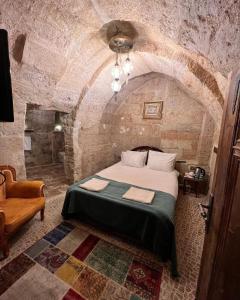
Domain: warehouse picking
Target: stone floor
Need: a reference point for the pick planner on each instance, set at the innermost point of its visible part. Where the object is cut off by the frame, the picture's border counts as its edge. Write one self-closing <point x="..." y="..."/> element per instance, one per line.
<point x="53" y="176"/>
<point x="189" y="236"/>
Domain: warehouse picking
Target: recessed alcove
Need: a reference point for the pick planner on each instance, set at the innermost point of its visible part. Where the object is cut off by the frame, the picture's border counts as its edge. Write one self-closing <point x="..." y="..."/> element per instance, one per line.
<point x="44" y="145"/>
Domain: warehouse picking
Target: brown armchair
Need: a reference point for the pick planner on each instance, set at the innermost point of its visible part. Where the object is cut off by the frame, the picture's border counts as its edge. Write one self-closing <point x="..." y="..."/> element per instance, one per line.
<point x="19" y="202"/>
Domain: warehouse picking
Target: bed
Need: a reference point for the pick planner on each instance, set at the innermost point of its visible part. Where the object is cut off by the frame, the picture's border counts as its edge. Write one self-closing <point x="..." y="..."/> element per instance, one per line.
<point x="151" y="225"/>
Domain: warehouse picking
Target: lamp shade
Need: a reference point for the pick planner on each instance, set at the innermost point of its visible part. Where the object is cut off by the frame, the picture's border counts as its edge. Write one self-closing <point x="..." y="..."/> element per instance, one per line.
<point x="127" y="66"/>
<point x="116" y="86"/>
<point x="58" y="127"/>
<point x="116" y="71"/>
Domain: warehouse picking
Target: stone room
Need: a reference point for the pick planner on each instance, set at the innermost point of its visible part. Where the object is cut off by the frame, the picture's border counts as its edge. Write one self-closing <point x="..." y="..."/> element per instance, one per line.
<point x="119" y="150"/>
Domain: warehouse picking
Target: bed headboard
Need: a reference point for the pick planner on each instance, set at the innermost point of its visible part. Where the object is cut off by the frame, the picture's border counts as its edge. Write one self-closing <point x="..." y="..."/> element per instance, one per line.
<point x="146" y="148"/>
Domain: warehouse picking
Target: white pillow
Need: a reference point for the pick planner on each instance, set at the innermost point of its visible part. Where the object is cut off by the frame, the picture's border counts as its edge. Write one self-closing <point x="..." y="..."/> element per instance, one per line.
<point x="134" y="158"/>
<point x="161" y="161"/>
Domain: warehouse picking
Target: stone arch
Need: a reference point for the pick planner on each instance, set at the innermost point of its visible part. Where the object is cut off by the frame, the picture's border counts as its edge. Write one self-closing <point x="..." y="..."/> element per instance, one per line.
<point x="198" y="82"/>
<point x="186" y="127"/>
<point x="204" y="89"/>
<point x="63" y="50"/>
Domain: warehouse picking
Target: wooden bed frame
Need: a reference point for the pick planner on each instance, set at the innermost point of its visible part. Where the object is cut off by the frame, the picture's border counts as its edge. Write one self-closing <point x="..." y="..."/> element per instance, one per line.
<point x="146" y="148"/>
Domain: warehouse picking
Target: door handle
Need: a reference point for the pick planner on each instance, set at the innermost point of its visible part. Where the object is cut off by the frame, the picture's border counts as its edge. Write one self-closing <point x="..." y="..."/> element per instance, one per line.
<point x="206" y="212"/>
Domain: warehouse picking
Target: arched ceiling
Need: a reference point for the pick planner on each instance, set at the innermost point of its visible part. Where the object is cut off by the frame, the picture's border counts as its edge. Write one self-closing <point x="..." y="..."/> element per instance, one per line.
<point x="58" y="53"/>
<point x="93" y="105"/>
<point x="208" y="28"/>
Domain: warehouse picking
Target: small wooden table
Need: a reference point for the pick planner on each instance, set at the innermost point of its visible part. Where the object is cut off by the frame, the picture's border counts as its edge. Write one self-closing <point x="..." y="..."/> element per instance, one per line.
<point x="196" y="182"/>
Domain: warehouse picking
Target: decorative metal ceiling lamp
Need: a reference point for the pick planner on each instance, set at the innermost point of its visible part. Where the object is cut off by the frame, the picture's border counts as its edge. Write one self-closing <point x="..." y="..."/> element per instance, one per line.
<point x="121" y="44"/>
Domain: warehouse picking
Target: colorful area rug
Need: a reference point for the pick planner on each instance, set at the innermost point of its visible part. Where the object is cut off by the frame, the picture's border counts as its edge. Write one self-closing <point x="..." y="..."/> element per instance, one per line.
<point x="69" y="263"/>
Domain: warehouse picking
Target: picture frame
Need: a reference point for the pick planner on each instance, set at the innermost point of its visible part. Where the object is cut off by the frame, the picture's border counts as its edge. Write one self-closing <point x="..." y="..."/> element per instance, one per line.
<point x="153" y="110"/>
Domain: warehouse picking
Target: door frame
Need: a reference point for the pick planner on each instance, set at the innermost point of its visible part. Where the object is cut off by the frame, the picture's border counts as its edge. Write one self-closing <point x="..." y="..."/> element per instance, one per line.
<point x="213" y="249"/>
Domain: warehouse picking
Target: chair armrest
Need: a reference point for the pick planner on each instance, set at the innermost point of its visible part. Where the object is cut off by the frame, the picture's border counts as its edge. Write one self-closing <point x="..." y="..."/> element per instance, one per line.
<point x="2" y="221"/>
<point x="25" y="189"/>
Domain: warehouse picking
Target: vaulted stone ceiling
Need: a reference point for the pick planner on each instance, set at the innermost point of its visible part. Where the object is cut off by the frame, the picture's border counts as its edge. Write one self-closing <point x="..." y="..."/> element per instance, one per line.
<point x="57" y="50"/>
<point x="60" y="59"/>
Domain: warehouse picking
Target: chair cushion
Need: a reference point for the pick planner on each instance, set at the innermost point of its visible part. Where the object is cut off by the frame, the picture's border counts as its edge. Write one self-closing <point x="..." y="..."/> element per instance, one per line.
<point x="19" y="210"/>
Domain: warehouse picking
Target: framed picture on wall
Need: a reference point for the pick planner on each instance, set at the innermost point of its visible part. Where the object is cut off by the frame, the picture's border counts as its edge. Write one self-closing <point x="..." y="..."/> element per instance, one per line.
<point x="153" y="110"/>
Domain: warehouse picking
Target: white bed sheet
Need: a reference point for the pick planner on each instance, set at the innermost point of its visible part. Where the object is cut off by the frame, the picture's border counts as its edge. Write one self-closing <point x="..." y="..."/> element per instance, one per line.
<point x="143" y="177"/>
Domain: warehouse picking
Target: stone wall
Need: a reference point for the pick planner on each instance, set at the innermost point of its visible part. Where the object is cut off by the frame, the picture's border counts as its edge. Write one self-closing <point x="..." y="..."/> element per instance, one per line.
<point x="186" y="127"/>
<point x="97" y="150"/>
<point x="12" y="139"/>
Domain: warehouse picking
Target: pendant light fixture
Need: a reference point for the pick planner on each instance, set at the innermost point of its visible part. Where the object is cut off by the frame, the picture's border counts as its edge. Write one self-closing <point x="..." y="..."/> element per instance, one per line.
<point x="127" y="66"/>
<point x="116" y="85"/>
<point x="116" y="73"/>
<point x="121" y="45"/>
<point x="116" y="70"/>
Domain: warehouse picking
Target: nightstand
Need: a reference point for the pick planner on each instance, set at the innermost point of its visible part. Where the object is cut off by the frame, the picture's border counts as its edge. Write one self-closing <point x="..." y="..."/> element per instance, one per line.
<point x="196" y="184"/>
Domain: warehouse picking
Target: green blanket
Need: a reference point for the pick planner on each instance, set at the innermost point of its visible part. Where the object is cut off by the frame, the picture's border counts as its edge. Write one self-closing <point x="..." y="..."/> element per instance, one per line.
<point x="151" y="224"/>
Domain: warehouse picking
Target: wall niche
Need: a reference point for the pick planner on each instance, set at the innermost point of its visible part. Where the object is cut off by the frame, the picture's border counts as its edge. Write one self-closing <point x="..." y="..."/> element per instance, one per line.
<point x="44" y="142"/>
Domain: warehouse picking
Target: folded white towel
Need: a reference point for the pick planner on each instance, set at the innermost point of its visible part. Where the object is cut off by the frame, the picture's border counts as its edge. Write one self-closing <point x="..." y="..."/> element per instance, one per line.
<point x="139" y="195"/>
<point x="94" y="184"/>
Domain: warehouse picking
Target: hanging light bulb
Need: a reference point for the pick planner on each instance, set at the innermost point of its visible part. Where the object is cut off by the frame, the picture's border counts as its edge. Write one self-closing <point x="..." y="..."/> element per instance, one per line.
<point x="116" y="86"/>
<point x="127" y="66"/>
<point x="116" y="71"/>
<point x="58" y="127"/>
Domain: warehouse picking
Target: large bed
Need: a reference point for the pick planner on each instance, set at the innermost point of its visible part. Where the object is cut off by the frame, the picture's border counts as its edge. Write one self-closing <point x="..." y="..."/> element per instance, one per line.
<point x="152" y="225"/>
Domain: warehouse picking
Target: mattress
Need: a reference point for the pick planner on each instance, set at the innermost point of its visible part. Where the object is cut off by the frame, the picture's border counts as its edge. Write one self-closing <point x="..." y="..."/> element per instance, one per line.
<point x="143" y="177"/>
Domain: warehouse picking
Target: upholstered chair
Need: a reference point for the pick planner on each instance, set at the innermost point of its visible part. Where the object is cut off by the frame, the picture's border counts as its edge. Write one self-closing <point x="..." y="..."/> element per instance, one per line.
<point x="19" y="202"/>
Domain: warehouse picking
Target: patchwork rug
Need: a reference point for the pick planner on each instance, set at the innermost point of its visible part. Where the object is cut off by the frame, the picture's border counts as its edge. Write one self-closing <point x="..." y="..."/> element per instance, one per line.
<point x="70" y="263"/>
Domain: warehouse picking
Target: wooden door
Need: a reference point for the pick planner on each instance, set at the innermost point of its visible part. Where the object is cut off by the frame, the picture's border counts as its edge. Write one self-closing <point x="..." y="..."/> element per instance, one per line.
<point x="219" y="277"/>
